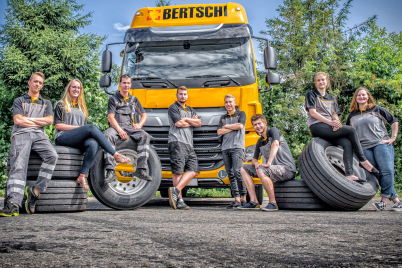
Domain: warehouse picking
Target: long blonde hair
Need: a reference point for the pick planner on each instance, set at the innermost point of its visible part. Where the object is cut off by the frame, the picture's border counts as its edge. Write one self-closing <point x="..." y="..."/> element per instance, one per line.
<point x="66" y="99"/>
<point x="370" y="102"/>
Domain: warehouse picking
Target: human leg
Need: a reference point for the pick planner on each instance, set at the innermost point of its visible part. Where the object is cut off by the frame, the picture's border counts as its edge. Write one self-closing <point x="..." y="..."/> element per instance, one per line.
<point x="18" y="156"/>
<point x="347" y="156"/>
<point x="227" y="161"/>
<point x="268" y="185"/>
<point x="246" y="172"/>
<point x="112" y="136"/>
<point x="142" y="139"/>
<point x="384" y="156"/>
<point x="237" y="160"/>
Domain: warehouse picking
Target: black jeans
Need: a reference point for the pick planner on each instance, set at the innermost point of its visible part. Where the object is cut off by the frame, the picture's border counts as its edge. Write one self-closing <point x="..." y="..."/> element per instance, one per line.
<point x="233" y="160"/>
<point x="87" y="138"/>
<point x="346" y="137"/>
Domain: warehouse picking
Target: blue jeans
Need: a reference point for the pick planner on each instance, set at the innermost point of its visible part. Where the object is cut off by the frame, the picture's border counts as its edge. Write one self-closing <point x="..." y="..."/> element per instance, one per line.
<point x="233" y="160"/>
<point x="87" y="138"/>
<point x="382" y="157"/>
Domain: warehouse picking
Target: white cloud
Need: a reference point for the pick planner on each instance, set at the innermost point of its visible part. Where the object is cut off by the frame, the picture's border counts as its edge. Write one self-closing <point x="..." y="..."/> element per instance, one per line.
<point x="120" y="27"/>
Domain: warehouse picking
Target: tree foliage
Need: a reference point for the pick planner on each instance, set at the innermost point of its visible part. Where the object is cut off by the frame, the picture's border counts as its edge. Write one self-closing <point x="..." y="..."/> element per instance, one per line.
<point x="162" y="3"/>
<point x="45" y="36"/>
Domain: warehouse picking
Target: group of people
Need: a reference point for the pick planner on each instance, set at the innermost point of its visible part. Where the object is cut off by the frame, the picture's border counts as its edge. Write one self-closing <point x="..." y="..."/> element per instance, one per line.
<point x="365" y="134"/>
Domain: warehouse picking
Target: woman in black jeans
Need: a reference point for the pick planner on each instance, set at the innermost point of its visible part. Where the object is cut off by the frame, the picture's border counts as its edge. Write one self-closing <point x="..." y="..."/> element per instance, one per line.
<point x="323" y="121"/>
<point x="70" y="120"/>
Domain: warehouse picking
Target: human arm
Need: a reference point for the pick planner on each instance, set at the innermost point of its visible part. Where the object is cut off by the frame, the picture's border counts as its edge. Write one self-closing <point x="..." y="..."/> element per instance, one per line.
<point x="115" y="125"/>
<point x="64" y="127"/>
<point x="193" y="121"/>
<point x="395" y="128"/>
<point x="140" y="124"/>
<point x="32" y="122"/>
<point x="272" y="153"/>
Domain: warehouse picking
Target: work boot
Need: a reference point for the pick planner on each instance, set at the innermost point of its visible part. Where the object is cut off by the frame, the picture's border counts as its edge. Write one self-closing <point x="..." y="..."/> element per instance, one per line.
<point x="141" y="173"/>
<point x="31" y="201"/>
<point x="10" y="209"/>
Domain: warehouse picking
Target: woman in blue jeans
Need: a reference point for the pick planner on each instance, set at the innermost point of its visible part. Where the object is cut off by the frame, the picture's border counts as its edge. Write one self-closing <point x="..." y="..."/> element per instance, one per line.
<point x="70" y="120"/>
<point x="368" y="119"/>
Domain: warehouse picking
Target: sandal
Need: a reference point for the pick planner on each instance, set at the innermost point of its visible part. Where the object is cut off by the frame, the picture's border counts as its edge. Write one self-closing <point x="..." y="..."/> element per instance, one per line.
<point x="125" y="159"/>
<point x="83" y="184"/>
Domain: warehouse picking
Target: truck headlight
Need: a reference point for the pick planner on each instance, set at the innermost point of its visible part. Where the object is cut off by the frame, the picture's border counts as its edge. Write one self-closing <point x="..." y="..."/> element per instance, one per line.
<point x="249" y="154"/>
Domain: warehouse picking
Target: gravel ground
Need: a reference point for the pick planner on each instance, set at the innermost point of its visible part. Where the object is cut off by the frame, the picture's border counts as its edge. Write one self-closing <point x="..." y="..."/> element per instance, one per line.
<point x="207" y="235"/>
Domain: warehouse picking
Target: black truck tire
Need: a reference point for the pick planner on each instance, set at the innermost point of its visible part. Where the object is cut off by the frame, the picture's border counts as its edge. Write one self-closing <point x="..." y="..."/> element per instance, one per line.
<point x="130" y="195"/>
<point x="321" y="167"/>
<point x="68" y="164"/>
<point x="61" y="196"/>
<point x="296" y="195"/>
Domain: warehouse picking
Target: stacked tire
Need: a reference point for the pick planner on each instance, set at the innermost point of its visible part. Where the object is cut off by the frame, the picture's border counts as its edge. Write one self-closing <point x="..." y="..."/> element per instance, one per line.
<point x="296" y="195"/>
<point x="63" y="194"/>
<point x="321" y="167"/>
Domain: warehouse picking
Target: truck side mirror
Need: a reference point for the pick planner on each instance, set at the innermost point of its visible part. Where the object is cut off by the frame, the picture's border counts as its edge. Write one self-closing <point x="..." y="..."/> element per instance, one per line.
<point x="270" y="58"/>
<point x="105" y="81"/>
<point x="106" y="61"/>
<point x="272" y="78"/>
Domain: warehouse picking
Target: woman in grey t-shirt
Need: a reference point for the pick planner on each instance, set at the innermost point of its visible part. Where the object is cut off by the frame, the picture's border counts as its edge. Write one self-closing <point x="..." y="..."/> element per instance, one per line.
<point x="70" y="120"/>
<point x="368" y="119"/>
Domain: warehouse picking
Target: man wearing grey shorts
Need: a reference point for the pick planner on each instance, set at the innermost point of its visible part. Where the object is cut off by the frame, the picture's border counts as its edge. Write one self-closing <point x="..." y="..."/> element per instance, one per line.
<point x="31" y="113"/>
<point x="279" y="166"/>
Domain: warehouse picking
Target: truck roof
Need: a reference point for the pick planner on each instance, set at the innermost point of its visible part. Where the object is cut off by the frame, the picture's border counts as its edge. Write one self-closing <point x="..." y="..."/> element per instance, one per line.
<point x="189" y="15"/>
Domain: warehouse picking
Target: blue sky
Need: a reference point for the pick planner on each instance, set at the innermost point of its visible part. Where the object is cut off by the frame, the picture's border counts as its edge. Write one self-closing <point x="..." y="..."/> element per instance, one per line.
<point x="112" y="18"/>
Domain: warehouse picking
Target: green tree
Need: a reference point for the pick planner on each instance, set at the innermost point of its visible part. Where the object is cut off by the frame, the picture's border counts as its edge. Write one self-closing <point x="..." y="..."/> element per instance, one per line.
<point x="162" y="3"/>
<point x="45" y="36"/>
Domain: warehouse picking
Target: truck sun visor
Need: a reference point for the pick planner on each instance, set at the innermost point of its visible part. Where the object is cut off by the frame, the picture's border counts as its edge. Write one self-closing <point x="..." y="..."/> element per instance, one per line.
<point x="214" y="31"/>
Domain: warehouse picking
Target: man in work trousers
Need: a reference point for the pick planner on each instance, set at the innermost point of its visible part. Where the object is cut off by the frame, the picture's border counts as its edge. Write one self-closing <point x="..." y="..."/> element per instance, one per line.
<point x="231" y="126"/>
<point x="279" y="167"/>
<point x="121" y="110"/>
<point x="31" y="113"/>
<point x="182" y="120"/>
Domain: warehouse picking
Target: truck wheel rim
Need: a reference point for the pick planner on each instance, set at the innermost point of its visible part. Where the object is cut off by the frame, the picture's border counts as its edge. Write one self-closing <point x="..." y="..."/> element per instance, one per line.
<point x="335" y="157"/>
<point x="127" y="187"/>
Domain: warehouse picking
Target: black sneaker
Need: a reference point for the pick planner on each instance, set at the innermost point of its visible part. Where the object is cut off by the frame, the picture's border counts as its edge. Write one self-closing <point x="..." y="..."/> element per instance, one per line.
<point x="173" y="196"/>
<point x="270" y="207"/>
<point x="243" y="203"/>
<point x="250" y="205"/>
<point x="31" y="201"/>
<point x="110" y="173"/>
<point x="397" y="207"/>
<point x="380" y="206"/>
<point x="141" y="173"/>
<point x="10" y="209"/>
<point x="181" y="205"/>
<point x="235" y="204"/>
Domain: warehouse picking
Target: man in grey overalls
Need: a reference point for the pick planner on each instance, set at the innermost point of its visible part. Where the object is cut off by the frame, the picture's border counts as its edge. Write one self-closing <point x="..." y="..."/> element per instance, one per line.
<point x="31" y="113"/>
<point x="121" y="110"/>
<point x="279" y="166"/>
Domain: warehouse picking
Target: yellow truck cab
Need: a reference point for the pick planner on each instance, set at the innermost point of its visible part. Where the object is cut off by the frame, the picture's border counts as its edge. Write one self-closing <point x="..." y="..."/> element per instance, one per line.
<point x="208" y="49"/>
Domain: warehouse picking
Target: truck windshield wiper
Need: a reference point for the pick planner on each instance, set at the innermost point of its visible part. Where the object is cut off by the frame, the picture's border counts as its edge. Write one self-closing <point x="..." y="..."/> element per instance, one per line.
<point x="154" y="77"/>
<point x="214" y="75"/>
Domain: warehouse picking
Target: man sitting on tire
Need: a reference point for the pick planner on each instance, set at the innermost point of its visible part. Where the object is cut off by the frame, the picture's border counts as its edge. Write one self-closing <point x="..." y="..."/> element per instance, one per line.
<point x="121" y="110"/>
<point x="279" y="167"/>
<point x="31" y="113"/>
<point x="182" y="120"/>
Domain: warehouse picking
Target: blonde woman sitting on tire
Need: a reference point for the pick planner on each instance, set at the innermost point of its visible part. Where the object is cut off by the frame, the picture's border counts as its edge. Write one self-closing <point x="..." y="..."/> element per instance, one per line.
<point x="70" y="120"/>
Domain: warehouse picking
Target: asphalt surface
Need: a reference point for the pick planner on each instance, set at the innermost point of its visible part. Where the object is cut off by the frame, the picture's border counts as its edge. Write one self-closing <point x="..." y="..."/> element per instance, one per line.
<point x="207" y="235"/>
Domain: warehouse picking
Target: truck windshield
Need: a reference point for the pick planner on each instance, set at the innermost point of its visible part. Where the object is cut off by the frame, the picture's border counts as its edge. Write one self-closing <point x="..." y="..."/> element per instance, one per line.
<point x="189" y="59"/>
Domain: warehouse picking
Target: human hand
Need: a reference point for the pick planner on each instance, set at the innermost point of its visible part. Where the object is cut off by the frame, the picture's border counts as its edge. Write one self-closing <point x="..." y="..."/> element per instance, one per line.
<point x="194" y="116"/>
<point x="336" y="124"/>
<point x="123" y="134"/>
<point x="137" y="126"/>
<point x="256" y="165"/>
<point x="389" y="141"/>
<point x="266" y="165"/>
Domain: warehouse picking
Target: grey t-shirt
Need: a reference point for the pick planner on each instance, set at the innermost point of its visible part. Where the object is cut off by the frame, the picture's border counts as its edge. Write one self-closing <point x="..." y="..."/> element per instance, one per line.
<point x="28" y="107"/>
<point x="369" y="125"/>
<point x="175" y="113"/>
<point x="325" y="106"/>
<point x="75" y="118"/>
<point x="236" y="138"/>
<point x="283" y="157"/>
